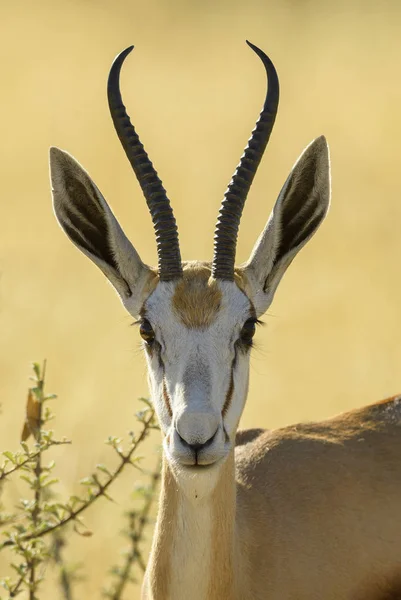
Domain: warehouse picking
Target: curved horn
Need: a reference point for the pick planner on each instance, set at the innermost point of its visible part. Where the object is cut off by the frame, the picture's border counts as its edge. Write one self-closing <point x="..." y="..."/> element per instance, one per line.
<point x="168" y="249"/>
<point x="225" y="238"/>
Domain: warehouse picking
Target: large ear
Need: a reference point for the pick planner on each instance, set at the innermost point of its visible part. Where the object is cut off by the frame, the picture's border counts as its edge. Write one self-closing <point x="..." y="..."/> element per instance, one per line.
<point x="88" y="221"/>
<point x="300" y="208"/>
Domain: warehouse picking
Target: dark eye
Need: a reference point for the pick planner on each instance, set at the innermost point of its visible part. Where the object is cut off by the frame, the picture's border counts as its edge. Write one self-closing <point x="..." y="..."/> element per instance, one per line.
<point x="248" y="331"/>
<point x="146" y="331"/>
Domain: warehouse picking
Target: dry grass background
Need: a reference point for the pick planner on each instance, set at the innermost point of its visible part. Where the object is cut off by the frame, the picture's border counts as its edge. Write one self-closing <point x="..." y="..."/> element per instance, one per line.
<point x="194" y="89"/>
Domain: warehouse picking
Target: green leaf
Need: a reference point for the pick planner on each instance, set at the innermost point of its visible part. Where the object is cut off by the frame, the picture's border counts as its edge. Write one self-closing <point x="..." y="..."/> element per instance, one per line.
<point x="10" y="456"/>
<point x="29" y="480"/>
<point x="104" y="469"/>
<point x="36" y="369"/>
<point x="50" y="482"/>
<point x="38" y="393"/>
<point x="5" y="583"/>
<point x="87" y="481"/>
<point x="146" y="401"/>
<point x="74" y="500"/>
<point x="25" y="447"/>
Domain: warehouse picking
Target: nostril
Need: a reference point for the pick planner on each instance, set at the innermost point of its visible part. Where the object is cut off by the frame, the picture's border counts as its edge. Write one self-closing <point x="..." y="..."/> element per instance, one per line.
<point x="198" y="446"/>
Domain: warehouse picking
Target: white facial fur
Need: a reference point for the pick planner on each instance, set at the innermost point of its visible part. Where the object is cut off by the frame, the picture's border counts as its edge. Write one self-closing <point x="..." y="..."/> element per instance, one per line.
<point x="203" y="371"/>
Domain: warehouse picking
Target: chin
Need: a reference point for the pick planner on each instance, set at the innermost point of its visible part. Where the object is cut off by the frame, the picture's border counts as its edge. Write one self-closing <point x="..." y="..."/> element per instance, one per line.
<point x="196" y="481"/>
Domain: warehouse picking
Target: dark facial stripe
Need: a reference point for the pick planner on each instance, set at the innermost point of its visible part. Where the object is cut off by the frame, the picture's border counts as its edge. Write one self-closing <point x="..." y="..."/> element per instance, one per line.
<point x="230" y="390"/>
<point x="166" y="398"/>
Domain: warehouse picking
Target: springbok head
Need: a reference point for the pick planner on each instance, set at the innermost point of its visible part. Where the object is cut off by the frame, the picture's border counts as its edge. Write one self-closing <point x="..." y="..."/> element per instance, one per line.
<point x="197" y="319"/>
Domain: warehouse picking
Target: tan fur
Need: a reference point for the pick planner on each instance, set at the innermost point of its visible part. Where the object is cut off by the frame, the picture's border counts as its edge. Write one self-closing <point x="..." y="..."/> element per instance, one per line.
<point x="156" y="584"/>
<point x="383" y="588"/>
<point x="151" y="282"/>
<point x="222" y="575"/>
<point x="197" y="297"/>
<point x="313" y="513"/>
<point x="241" y="280"/>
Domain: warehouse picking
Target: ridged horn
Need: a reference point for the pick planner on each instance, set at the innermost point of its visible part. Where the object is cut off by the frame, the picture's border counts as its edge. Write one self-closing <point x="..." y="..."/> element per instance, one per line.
<point x="168" y="250"/>
<point x="226" y="232"/>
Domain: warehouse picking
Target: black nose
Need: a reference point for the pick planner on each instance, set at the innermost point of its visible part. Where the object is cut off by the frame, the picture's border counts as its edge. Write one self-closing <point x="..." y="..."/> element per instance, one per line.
<point x="197" y="447"/>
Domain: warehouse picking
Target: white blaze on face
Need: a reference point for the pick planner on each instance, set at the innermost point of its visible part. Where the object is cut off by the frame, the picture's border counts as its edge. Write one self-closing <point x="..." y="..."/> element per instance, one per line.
<point x="198" y="371"/>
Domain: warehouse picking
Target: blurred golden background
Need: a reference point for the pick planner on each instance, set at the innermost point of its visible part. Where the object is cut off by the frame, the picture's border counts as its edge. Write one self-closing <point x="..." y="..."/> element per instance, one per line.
<point x="194" y="90"/>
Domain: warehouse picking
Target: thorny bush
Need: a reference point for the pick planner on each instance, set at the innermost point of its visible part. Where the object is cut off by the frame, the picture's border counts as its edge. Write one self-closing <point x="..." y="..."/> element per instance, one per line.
<point x="34" y="531"/>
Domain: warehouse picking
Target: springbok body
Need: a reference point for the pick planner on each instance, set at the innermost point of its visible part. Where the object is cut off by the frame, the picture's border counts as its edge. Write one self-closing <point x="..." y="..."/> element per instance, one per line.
<point x="307" y="512"/>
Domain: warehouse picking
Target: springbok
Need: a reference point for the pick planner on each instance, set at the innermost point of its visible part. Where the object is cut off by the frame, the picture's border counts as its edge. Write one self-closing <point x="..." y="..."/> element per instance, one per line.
<point x="307" y="512"/>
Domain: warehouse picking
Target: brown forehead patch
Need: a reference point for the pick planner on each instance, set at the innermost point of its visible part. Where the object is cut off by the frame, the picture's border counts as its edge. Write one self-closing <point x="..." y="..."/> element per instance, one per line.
<point x="197" y="297"/>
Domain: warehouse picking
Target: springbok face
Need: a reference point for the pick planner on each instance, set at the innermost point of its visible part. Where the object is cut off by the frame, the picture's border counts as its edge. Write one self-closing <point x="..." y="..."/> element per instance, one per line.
<point x="197" y="320"/>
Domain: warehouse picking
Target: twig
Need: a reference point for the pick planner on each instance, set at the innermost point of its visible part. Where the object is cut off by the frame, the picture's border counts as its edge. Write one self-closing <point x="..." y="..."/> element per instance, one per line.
<point x="38" y="488"/>
<point x="32" y="457"/>
<point x="65" y="578"/>
<point x="144" y="515"/>
<point x="16" y="587"/>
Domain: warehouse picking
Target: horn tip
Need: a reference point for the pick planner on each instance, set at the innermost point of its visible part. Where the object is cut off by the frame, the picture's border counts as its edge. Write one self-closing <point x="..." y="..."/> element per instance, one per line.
<point x="258" y="51"/>
<point x="123" y="55"/>
<point x="252" y="45"/>
<point x="127" y="51"/>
